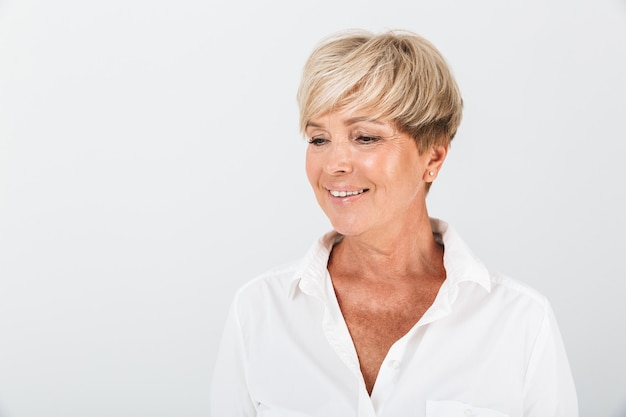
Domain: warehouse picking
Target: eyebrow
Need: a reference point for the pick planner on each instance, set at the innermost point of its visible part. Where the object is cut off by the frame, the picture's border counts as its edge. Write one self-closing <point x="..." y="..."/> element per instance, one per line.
<point x="350" y="121"/>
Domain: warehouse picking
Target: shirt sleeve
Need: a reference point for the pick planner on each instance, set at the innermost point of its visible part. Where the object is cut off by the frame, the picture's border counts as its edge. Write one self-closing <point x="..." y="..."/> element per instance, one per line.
<point x="549" y="389"/>
<point x="229" y="389"/>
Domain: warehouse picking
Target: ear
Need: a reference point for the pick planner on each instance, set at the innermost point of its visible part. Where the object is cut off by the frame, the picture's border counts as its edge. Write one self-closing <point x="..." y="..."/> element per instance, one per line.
<point x="436" y="155"/>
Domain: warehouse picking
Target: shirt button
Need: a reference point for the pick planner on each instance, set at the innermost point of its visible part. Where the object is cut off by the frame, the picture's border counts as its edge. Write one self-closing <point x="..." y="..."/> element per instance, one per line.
<point x="393" y="364"/>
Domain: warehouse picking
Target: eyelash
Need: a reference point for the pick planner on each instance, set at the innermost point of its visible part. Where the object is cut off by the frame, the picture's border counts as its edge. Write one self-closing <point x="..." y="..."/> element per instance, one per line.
<point x="317" y="141"/>
<point x="368" y="139"/>
<point x="362" y="139"/>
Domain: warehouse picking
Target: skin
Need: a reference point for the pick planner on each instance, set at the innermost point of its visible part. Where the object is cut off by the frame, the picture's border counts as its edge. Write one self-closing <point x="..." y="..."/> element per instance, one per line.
<point x="387" y="270"/>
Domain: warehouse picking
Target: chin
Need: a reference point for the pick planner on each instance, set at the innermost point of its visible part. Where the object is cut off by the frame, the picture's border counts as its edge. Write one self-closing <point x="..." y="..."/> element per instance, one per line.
<point x="350" y="224"/>
<point x="348" y="229"/>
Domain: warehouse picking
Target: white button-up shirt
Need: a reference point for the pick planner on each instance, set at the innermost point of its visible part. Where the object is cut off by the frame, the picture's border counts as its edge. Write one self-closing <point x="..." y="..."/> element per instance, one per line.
<point x="489" y="346"/>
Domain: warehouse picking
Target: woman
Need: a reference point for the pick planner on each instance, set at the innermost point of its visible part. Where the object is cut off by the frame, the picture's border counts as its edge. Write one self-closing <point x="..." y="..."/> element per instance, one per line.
<point x="389" y="314"/>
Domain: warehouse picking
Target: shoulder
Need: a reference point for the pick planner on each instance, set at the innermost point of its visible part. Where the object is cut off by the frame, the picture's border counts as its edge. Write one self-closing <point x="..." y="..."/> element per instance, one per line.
<point x="518" y="298"/>
<point x="504" y="283"/>
<point x="465" y="268"/>
<point x="271" y="284"/>
<point x="266" y="305"/>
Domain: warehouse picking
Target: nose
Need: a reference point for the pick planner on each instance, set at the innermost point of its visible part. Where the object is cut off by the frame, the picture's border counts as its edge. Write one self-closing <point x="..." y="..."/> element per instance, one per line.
<point x="338" y="158"/>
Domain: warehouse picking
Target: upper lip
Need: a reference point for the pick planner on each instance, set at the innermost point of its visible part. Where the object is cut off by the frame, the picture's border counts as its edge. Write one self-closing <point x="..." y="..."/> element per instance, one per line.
<point x="343" y="188"/>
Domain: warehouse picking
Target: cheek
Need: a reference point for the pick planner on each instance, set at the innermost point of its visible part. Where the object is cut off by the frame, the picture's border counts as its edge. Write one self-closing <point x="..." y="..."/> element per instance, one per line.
<point x="395" y="170"/>
<point x="381" y="168"/>
<point x="373" y="163"/>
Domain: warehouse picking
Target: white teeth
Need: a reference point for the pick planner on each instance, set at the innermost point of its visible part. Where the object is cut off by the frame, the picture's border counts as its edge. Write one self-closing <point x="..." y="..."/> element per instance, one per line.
<point x="345" y="193"/>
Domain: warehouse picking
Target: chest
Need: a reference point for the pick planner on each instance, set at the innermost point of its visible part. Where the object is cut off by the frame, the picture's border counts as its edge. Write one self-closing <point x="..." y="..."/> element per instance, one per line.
<point x="311" y="366"/>
<point x="376" y="328"/>
<point x="376" y="320"/>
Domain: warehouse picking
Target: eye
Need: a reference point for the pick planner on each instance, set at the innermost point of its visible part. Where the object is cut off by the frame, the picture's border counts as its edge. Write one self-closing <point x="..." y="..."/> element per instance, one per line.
<point x="317" y="141"/>
<point x="367" y="139"/>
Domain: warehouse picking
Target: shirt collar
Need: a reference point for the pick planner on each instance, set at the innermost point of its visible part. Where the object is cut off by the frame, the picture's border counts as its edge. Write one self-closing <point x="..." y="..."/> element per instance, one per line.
<point x="310" y="276"/>
<point x="460" y="263"/>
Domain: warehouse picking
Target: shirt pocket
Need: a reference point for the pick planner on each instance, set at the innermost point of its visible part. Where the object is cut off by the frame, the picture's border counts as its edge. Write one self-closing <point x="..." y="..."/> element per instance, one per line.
<point x="458" y="409"/>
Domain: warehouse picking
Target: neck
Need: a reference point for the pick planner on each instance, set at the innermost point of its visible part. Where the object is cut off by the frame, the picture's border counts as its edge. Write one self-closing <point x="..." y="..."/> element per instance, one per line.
<point x="401" y="254"/>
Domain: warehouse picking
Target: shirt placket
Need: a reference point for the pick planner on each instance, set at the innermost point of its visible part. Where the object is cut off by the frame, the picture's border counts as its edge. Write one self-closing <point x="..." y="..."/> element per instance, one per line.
<point x="396" y="360"/>
<point x="338" y="336"/>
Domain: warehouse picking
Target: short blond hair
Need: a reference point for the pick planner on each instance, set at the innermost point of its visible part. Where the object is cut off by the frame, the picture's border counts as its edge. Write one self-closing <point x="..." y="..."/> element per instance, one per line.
<point x="396" y="75"/>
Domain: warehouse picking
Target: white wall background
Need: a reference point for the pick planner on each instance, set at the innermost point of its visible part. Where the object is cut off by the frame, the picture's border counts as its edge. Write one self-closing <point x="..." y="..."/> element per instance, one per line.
<point x="150" y="164"/>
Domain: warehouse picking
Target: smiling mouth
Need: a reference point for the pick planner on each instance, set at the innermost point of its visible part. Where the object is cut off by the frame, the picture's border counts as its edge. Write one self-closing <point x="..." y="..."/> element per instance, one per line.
<point x="336" y="193"/>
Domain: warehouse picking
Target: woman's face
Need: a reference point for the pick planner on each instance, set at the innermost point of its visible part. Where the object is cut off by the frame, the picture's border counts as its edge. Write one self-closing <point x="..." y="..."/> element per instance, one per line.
<point x="367" y="176"/>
